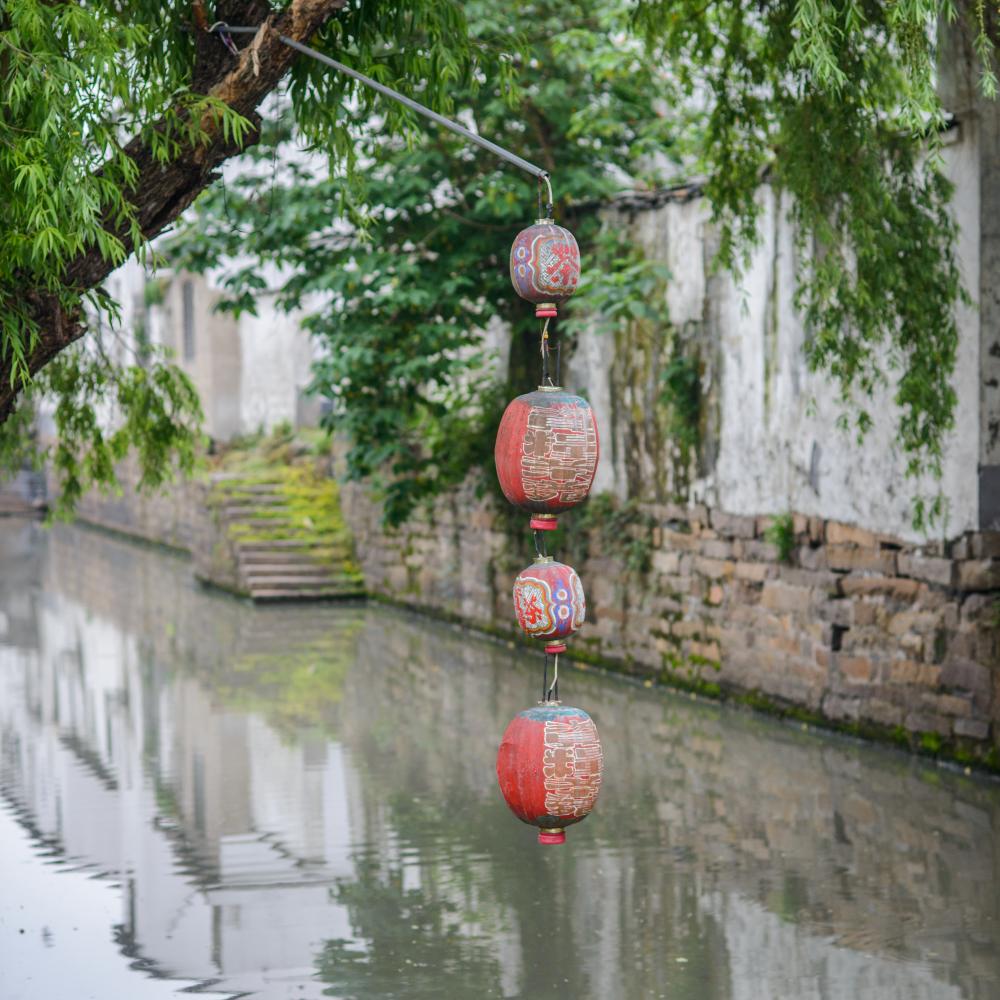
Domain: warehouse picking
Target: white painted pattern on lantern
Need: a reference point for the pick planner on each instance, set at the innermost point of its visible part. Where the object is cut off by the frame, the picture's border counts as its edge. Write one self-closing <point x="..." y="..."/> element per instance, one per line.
<point x="559" y="453"/>
<point x="572" y="765"/>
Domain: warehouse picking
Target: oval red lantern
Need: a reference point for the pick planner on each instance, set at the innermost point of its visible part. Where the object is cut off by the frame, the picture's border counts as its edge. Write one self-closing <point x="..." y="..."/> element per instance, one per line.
<point x="546" y="452"/>
<point x="549" y="602"/>
<point x="549" y="767"/>
<point x="545" y="265"/>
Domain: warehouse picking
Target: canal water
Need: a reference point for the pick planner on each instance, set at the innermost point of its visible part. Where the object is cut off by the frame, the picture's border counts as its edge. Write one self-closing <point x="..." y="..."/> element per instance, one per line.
<point x="296" y="802"/>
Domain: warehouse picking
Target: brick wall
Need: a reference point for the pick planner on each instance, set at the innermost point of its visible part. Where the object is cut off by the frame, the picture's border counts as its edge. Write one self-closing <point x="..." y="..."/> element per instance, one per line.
<point x="858" y="628"/>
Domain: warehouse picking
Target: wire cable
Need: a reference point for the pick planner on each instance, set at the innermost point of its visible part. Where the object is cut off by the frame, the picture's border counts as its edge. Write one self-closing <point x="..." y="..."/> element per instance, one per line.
<point x="223" y="29"/>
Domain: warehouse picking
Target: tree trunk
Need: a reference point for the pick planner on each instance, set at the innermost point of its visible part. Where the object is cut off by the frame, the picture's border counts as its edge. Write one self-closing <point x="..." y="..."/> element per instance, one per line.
<point x="162" y="192"/>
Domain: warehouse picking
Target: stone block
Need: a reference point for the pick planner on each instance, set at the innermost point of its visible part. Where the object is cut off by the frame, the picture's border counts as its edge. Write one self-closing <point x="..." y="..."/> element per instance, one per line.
<point x="978" y="574"/>
<point x="966" y="675"/>
<point x="975" y="729"/>
<point x="925" y="722"/>
<point x="686" y="629"/>
<point x="754" y="572"/>
<point x="948" y="704"/>
<point x="883" y="712"/>
<point x="714" y="569"/>
<point x="911" y="621"/>
<point x="821" y="580"/>
<point x="928" y="568"/>
<point x="733" y="525"/>
<point x="717" y="549"/>
<point x="985" y="545"/>
<point x="811" y="558"/>
<point x="715" y="594"/>
<point x="836" y="706"/>
<point x="682" y="541"/>
<point x="782" y="644"/>
<point x="779" y="596"/>
<point x="666" y="562"/>
<point x="898" y="587"/>
<point x="838" y="533"/>
<point x="847" y="557"/>
<point x="759" y="551"/>
<point x="961" y="548"/>
<point x="866" y="612"/>
<point x="836" y="612"/>
<point x="705" y="650"/>
<point x="856" y="669"/>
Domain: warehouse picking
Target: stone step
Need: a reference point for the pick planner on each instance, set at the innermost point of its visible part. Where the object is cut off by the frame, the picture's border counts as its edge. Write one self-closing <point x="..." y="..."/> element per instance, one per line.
<point x="257" y="571"/>
<point x="275" y="544"/>
<point x="239" y="512"/>
<point x="258" y="489"/>
<point x="318" y="551"/>
<point x="263" y="522"/>
<point x="234" y="502"/>
<point x="294" y="581"/>
<point x="347" y="589"/>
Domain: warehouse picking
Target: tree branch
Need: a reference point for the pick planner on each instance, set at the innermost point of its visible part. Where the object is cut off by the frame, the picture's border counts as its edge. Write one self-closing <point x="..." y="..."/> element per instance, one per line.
<point x="163" y="192"/>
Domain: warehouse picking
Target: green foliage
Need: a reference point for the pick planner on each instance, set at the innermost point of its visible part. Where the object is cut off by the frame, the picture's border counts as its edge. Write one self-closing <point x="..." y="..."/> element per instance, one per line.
<point x="409" y="286"/>
<point x="78" y="82"/>
<point x="78" y="79"/>
<point x="103" y="409"/>
<point x="781" y="534"/>
<point x="835" y="104"/>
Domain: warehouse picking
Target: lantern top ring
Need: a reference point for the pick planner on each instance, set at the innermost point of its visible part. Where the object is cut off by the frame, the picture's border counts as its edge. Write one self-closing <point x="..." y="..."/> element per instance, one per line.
<point x="554" y="703"/>
<point x="545" y="222"/>
<point x="550" y="388"/>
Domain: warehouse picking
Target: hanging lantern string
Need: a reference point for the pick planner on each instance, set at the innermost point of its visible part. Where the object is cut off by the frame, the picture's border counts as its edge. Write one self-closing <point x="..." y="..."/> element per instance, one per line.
<point x="545" y="354"/>
<point x="540" y="548"/>
<point x="552" y="694"/>
<point x="545" y="206"/>
<point x="223" y="30"/>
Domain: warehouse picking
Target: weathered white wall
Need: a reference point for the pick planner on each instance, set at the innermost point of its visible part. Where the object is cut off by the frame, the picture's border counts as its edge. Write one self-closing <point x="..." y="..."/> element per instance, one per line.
<point x="777" y="446"/>
<point x="276" y="358"/>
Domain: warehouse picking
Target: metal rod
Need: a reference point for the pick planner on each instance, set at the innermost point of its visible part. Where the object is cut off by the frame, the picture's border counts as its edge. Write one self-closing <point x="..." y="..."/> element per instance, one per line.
<point x="504" y="154"/>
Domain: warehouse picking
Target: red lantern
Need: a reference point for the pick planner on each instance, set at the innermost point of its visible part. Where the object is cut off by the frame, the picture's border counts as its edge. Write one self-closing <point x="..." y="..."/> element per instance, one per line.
<point x="549" y="602"/>
<point x="546" y="452"/>
<point x="545" y="265"/>
<point x="549" y="768"/>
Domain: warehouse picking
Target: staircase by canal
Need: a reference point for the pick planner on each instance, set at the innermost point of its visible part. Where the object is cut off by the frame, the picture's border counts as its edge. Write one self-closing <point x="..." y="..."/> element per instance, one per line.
<point x="286" y="535"/>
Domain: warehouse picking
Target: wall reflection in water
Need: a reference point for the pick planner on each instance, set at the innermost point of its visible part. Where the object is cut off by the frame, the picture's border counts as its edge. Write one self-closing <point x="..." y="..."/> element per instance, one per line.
<point x="300" y="801"/>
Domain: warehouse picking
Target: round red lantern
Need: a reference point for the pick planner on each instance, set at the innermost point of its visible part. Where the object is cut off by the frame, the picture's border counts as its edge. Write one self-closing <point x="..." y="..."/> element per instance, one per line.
<point x="545" y="265"/>
<point x="546" y="452"/>
<point x="549" y="767"/>
<point x="549" y="602"/>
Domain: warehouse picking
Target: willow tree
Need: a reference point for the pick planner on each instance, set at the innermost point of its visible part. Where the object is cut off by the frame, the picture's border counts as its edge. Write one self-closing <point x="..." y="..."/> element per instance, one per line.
<point x="113" y="118"/>
<point x="833" y="101"/>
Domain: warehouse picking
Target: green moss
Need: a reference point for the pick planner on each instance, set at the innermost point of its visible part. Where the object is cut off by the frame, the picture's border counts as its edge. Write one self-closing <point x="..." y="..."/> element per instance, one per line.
<point x="294" y="468"/>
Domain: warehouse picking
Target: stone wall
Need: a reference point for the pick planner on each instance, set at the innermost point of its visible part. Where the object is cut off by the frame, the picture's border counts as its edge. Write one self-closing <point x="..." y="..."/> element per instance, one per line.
<point x="854" y="627"/>
<point x="178" y="516"/>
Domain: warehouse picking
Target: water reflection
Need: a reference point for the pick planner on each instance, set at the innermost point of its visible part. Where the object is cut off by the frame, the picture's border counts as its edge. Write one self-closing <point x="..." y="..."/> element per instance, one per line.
<point x="300" y="802"/>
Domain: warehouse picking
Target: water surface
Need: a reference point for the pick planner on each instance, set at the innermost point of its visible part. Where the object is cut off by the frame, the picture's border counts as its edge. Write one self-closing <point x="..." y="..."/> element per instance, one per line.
<point x="300" y="802"/>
